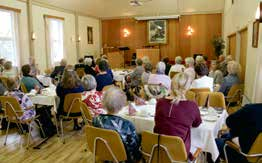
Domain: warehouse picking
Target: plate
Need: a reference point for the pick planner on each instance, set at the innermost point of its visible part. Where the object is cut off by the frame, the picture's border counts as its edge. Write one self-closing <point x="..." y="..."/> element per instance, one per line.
<point x="210" y="118"/>
<point x="203" y="112"/>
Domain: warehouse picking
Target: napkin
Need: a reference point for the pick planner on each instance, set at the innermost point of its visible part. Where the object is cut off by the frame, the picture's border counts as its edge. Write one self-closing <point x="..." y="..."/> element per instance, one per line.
<point x="131" y="110"/>
<point x="139" y="101"/>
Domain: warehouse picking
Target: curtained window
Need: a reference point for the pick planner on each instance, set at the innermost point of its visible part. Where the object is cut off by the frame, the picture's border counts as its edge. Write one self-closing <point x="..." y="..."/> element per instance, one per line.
<point x="55" y="40"/>
<point x="9" y="41"/>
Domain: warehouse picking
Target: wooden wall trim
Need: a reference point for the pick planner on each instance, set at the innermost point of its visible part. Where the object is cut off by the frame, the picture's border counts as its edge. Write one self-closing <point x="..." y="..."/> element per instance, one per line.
<point x="53" y="17"/>
<point x="10" y="8"/>
<point x="232" y="35"/>
<point x="243" y="29"/>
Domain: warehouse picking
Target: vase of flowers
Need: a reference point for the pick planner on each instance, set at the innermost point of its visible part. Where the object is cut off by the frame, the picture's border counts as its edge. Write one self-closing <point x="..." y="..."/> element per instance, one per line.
<point x="219" y="45"/>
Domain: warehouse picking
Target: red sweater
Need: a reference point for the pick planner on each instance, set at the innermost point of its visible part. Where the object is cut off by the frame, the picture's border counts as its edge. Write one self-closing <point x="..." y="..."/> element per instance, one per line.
<point x="178" y="120"/>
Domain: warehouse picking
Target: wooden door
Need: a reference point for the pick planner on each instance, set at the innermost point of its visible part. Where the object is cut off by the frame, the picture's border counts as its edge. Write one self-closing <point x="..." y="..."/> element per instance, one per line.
<point x="232" y="42"/>
<point x="243" y="53"/>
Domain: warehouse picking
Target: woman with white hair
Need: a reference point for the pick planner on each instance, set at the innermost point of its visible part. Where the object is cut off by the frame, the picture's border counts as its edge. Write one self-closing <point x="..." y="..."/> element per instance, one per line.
<point x="178" y="67"/>
<point x="233" y="69"/>
<point x="190" y="71"/>
<point x="113" y="101"/>
<point x="160" y="78"/>
<point x="88" y="66"/>
<point x="200" y="59"/>
<point x="92" y="98"/>
<point x="175" y="115"/>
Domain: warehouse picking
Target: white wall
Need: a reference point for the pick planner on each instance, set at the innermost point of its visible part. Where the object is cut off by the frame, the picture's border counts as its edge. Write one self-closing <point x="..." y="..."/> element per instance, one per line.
<point x="93" y="49"/>
<point x="69" y="37"/>
<point x="236" y="17"/>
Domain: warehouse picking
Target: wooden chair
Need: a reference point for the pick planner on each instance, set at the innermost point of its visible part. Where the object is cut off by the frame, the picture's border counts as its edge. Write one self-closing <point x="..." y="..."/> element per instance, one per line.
<point x="80" y="72"/>
<point x="86" y="114"/>
<point x="215" y="99"/>
<point x="105" y="144"/>
<point x="4" y="80"/>
<point x="13" y="112"/>
<point x="107" y="87"/>
<point x="254" y="154"/>
<point x="234" y="96"/>
<point x="198" y="90"/>
<point x="157" y="148"/>
<point x="172" y="74"/>
<point x="190" y="95"/>
<point x="72" y="104"/>
<point x="23" y="88"/>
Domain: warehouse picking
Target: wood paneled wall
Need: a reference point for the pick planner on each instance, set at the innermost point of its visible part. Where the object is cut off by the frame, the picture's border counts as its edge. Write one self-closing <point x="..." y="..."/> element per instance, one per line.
<point x="206" y="26"/>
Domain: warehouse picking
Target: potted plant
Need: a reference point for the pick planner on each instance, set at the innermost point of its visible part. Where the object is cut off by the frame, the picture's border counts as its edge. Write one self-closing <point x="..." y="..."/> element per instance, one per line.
<point x="219" y="45"/>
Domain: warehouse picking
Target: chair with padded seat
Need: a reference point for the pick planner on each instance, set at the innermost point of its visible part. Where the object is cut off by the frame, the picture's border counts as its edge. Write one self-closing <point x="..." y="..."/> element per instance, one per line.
<point x="213" y="99"/>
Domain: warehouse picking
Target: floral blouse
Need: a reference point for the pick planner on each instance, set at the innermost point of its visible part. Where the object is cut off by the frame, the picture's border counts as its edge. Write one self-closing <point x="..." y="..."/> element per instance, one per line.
<point x="125" y="129"/>
<point x="93" y="100"/>
<point x="25" y="102"/>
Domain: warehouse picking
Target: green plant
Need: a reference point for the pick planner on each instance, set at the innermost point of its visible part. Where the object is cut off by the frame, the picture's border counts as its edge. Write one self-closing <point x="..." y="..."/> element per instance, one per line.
<point x="219" y="45"/>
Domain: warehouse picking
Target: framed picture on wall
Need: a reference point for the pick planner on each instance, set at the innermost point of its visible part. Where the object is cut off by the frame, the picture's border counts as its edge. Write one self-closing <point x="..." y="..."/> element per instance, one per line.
<point x="157" y="31"/>
<point x="90" y="35"/>
<point x="255" y="34"/>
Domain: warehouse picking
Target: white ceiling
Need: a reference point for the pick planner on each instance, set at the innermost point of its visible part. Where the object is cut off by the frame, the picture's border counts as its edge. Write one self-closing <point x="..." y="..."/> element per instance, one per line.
<point x="121" y="8"/>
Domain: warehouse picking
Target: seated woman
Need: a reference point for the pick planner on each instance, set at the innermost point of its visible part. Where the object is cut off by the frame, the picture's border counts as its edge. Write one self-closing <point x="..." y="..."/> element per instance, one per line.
<point x="233" y="69"/>
<point x="148" y="70"/>
<point x="216" y="74"/>
<point x="9" y="71"/>
<point x="92" y="98"/>
<point x="135" y="77"/>
<point x="202" y="81"/>
<point x="113" y="101"/>
<point x="178" y="67"/>
<point x="24" y="101"/>
<point x="70" y="83"/>
<point x="190" y="71"/>
<point x="175" y="115"/>
<point x="103" y="78"/>
<point x="88" y="67"/>
<point x="29" y="81"/>
<point x="160" y="78"/>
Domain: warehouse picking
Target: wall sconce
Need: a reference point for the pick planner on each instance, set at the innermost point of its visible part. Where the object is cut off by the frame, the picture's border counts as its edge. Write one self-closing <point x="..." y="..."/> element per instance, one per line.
<point x="259" y="13"/>
<point x="78" y="39"/>
<point x="126" y="32"/>
<point x="190" y="31"/>
<point x="33" y="37"/>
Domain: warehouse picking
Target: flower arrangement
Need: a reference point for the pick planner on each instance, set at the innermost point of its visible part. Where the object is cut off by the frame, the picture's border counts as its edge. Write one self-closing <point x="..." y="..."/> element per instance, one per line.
<point x="219" y="45"/>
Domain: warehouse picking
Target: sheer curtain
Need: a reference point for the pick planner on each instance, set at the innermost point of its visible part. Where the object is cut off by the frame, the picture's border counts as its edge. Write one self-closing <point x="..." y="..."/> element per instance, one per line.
<point x="9" y="36"/>
<point x="54" y="40"/>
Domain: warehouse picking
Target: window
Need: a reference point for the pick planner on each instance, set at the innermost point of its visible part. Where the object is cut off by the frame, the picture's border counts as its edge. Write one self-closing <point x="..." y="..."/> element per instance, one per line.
<point x="9" y="36"/>
<point x="55" y="40"/>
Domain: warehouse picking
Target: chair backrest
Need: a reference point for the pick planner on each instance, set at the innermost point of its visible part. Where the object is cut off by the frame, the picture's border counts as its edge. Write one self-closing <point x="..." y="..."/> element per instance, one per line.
<point x="105" y="144"/>
<point x="86" y="113"/>
<point x="215" y="99"/>
<point x="163" y="148"/>
<point x="235" y="93"/>
<point x="11" y="108"/>
<point x="107" y="87"/>
<point x="190" y="95"/>
<point x="198" y="90"/>
<point x="23" y="88"/>
<point x="80" y="72"/>
<point x="256" y="148"/>
<point x="4" y="80"/>
<point x="72" y="103"/>
<point x="172" y="74"/>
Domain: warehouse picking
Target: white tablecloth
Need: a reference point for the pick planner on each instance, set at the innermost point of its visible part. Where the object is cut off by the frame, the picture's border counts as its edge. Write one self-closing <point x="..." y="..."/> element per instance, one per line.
<point x="47" y="81"/>
<point x="201" y="137"/>
<point x="119" y="75"/>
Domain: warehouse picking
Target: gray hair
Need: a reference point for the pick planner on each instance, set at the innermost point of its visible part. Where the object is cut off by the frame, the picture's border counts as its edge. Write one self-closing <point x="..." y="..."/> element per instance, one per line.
<point x="200" y="59"/>
<point x="178" y="60"/>
<point x="160" y="67"/>
<point x="189" y="61"/>
<point x="89" y="82"/>
<point x="63" y="62"/>
<point x="233" y="67"/>
<point x="114" y="99"/>
<point x="88" y="61"/>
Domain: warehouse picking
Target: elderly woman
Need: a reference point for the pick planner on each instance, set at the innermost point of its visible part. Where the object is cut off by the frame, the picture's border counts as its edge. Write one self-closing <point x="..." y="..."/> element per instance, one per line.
<point x="200" y="59"/>
<point x="103" y="78"/>
<point x="160" y="78"/>
<point x="88" y="67"/>
<point x="24" y="101"/>
<point x="113" y="101"/>
<point x="190" y="71"/>
<point x="202" y="81"/>
<point x="135" y="76"/>
<point x="215" y="73"/>
<point x="175" y="115"/>
<point x="9" y="71"/>
<point x="148" y="70"/>
<point x="70" y="83"/>
<point x="92" y="98"/>
<point x="29" y="81"/>
<point x="232" y="78"/>
<point x="178" y="67"/>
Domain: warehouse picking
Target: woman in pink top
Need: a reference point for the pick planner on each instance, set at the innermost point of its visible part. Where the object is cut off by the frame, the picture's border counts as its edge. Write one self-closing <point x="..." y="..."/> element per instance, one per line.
<point x="175" y="115"/>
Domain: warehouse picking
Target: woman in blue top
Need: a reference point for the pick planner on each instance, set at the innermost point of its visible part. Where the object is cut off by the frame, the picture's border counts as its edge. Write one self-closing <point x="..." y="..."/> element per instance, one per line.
<point x="113" y="101"/>
<point x="29" y="81"/>
<point x="103" y="78"/>
<point x="70" y="83"/>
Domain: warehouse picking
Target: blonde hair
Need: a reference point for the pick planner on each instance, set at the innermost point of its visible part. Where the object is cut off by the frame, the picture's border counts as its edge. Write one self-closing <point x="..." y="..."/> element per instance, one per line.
<point x="179" y="85"/>
<point x="200" y="59"/>
<point x="234" y="68"/>
<point x="178" y="60"/>
<point x="114" y="99"/>
<point x="190" y="61"/>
